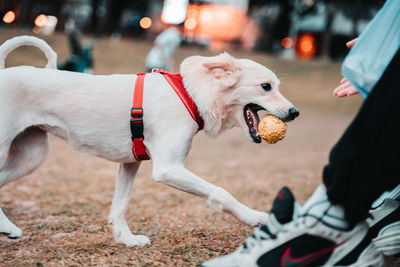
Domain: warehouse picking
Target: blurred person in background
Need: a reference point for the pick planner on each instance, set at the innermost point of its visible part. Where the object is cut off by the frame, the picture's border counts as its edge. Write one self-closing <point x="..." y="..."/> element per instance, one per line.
<point x="161" y="55"/>
<point x="81" y="57"/>
<point x="351" y="219"/>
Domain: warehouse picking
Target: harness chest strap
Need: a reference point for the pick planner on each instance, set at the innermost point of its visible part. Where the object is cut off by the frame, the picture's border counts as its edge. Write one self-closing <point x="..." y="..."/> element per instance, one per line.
<point x="139" y="150"/>
<point x="175" y="81"/>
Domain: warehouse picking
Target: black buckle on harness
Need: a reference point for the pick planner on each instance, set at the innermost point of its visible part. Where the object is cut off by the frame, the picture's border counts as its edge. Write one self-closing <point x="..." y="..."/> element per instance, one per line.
<point x="137" y="123"/>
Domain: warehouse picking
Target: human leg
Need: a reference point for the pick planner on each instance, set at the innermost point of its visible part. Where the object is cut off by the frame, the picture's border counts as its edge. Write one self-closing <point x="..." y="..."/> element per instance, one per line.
<point x="364" y="163"/>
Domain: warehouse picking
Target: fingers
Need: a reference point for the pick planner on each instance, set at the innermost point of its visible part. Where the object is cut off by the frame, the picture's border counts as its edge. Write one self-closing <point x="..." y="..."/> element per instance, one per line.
<point x="341" y="88"/>
<point x="352" y="91"/>
<point x="351" y="43"/>
<point x="340" y="91"/>
<point x="345" y="89"/>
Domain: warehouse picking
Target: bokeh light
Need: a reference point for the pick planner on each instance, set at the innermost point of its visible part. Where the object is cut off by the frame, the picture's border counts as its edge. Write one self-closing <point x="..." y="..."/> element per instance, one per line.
<point x="219" y="23"/>
<point x="287" y="42"/>
<point x="206" y="15"/>
<point x="192" y="13"/>
<point x="306" y="46"/>
<point x="145" y="22"/>
<point x="9" y="17"/>
<point x="41" y="20"/>
<point x="174" y="11"/>
<point x="190" y="24"/>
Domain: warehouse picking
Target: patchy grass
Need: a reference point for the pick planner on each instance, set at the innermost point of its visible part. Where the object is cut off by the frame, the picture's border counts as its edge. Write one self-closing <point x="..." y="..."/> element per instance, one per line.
<point x="63" y="206"/>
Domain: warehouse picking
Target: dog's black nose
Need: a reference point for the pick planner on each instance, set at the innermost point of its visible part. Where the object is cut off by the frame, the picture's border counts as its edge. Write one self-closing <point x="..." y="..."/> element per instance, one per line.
<point x="293" y="113"/>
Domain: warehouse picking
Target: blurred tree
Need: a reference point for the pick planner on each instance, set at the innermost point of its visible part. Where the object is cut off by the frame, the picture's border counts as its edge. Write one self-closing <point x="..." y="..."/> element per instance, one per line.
<point x="356" y="10"/>
<point x="25" y="14"/>
<point x="298" y="9"/>
<point x="330" y="10"/>
<point x="292" y="12"/>
<point x="94" y="18"/>
<point x="27" y="10"/>
<point x="273" y="28"/>
<point x="114" y="10"/>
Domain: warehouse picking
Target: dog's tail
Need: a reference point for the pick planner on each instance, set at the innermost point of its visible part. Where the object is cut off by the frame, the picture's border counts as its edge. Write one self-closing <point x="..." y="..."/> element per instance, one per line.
<point x="8" y="46"/>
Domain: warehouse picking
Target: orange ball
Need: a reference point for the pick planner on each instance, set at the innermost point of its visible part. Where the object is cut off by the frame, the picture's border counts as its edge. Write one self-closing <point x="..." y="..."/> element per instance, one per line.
<point x="272" y="129"/>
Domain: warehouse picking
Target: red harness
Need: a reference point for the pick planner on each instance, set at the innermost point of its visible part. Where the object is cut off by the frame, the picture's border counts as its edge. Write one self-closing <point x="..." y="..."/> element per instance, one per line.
<point x="175" y="80"/>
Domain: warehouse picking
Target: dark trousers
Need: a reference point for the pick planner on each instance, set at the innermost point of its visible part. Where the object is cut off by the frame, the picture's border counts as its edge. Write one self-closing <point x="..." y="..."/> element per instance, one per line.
<point x="366" y="160"/>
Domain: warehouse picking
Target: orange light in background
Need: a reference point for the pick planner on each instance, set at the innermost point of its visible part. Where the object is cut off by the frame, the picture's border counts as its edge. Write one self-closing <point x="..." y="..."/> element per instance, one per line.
<point x="192" y="17"/>
<point x="306" y="46"/>
<point x="9" y="17"/>
<point x="145" y="22"/>
<point x="215" y="22"/>
<point x="206" y="15"/>
<point x="190" y="24"/>
<point x="41" y="20"/>
<point x="192" y="13"/>
<point x="224" y="15"/>
<point x="287" y="42"/>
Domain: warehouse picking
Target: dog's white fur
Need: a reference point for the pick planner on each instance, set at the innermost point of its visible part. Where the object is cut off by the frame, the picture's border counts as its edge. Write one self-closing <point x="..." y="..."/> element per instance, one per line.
<point x="91" y="112"/>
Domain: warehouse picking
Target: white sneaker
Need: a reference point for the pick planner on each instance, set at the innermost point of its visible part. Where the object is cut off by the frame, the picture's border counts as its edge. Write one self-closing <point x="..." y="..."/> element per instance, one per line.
<point x="384" y="222"/>
<point x="319" y="236"/>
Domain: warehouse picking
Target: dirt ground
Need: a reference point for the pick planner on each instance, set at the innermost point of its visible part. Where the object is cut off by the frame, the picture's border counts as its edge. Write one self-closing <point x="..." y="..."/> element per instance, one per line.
<point x="62" y="208"/>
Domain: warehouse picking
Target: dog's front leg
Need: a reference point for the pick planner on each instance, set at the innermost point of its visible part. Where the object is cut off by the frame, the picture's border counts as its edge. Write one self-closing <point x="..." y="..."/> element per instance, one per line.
<point x="177" y="176"/>
<point x="125" y="176"/>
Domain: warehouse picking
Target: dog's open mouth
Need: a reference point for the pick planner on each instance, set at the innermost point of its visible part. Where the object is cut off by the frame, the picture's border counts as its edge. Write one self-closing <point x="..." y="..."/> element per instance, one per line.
<point x="252" y="120"/>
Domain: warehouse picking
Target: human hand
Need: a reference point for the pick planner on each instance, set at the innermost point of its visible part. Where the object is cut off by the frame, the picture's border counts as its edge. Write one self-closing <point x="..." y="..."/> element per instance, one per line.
<point x="346" y="88"/>
<point x="351" y="43"/>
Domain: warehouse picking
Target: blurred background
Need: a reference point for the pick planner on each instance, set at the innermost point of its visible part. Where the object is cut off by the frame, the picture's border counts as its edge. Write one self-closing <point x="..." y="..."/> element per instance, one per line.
<point x="290" y="28"/>
<point x="62" y="207"/>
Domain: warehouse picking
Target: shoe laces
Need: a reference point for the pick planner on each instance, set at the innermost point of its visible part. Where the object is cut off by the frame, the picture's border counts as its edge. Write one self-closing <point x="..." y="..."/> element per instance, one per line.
<point x="260" y="234"/>
<point x="263" y="233"/>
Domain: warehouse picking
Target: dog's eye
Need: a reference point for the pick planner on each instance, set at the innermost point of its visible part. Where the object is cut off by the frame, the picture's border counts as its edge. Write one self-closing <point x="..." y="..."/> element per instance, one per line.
<point x="266" y="86"/>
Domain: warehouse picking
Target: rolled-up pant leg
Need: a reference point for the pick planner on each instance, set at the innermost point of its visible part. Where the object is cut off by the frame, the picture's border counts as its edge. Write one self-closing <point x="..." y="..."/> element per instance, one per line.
<point x="366" y="160"/>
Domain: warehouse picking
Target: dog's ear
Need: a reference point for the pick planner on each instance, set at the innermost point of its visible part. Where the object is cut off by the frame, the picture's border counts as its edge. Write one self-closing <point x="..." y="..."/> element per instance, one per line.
<point x="225" y="68"/>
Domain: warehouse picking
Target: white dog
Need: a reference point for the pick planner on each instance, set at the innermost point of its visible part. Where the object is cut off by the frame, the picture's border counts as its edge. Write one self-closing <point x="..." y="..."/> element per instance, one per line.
<point x="92" y="112"/>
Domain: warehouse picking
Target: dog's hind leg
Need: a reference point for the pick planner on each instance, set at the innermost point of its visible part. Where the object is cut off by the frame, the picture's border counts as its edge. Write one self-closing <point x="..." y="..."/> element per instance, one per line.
<point x="125" y="176"/>
<point x="25" y="153"/>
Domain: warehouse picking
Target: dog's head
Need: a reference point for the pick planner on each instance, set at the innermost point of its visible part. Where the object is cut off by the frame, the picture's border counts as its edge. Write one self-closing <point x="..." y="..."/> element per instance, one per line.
<point x="229" y="92"/>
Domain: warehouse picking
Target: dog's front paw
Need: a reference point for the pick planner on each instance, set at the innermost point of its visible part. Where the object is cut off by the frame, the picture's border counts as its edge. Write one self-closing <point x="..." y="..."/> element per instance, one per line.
<point x="10" y="230"/>
<point x="255" y="218"/>
<point x="133" y="240"/>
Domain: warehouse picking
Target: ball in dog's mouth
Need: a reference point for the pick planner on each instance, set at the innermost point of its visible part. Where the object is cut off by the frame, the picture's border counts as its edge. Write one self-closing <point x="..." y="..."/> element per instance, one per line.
<point x="252" y="120"/>
<point x="272" y="129"/>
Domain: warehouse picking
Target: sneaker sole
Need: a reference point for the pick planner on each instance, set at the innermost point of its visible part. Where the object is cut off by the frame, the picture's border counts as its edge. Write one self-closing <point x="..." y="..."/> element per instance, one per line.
<point x="370" y="257"/>
<point x="388" y="239"/>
